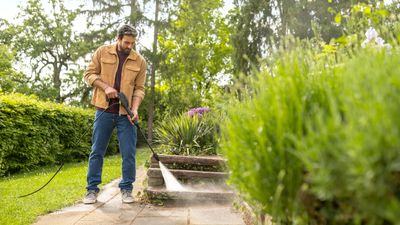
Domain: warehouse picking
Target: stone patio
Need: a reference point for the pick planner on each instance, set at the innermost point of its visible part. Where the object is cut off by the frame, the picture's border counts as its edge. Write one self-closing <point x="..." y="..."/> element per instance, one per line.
<point x="109" y="210"/>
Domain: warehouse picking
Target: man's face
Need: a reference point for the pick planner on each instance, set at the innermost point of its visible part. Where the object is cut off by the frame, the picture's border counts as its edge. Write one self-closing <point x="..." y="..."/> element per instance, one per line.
<point x="126" y="43"/>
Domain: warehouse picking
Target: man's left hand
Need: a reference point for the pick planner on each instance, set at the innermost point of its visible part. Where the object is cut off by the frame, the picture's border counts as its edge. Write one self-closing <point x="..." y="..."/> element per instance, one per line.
<point x="135" y="117"/>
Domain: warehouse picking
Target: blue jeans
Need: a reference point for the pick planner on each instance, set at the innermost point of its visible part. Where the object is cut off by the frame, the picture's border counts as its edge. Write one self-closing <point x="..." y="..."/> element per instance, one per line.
<point x="102" y="130"/>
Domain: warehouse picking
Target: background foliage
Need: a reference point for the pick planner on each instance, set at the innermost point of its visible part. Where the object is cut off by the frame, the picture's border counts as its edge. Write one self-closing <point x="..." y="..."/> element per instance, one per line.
<point x="46" y="40"/>
<point x="10" y="80"/>
<point x="195" y="51"/>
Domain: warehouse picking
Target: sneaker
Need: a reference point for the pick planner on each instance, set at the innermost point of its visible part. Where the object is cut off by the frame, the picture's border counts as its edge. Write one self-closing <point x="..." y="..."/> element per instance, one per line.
<point x="91" y="197"/>
<point x="127" y="196"/>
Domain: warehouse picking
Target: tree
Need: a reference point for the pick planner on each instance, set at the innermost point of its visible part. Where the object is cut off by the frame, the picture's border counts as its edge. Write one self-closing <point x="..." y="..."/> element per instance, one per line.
<point x="302" y="15"/>
<point x="253" y="32"/>
<point x="195" y="53"/>
<point x="106" y="15"/>
<point x="48" y="41"/>
<point x="10" y="80"/>
<point x="259" y="25"/>
<point x="150" y="110"/>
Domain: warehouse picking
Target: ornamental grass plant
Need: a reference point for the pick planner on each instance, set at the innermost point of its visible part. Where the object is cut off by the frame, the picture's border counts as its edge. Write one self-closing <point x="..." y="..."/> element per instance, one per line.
<point x="188" y="134"/>
<point x="316" y="139"/>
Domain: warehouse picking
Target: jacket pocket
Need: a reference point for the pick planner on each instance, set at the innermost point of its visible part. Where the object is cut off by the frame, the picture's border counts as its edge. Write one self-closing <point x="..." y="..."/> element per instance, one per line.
<point x="108" y="61"/>
<point x="132" y="68"/>
<point x="107" y="69"/>
<point x="131" y="73"/>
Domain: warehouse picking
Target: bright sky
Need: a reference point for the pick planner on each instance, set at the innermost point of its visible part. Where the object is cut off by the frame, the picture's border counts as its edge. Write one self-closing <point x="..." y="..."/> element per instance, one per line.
<point x="9" y="8"/>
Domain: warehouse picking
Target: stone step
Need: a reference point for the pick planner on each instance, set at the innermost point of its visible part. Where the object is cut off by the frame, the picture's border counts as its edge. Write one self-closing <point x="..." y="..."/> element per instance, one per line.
<point x="215" y="196"/>
<point x="193" y="160"/>
<point x="159" y="181"/>
<point x="188" y="177"/>
<point x="188" y="174"/>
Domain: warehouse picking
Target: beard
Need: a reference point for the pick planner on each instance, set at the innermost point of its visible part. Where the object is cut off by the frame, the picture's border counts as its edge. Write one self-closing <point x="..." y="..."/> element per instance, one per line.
<point x="125" y="51"/>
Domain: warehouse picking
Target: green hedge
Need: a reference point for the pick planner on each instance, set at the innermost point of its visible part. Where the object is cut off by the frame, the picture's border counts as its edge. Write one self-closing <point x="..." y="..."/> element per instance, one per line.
<point x="318" y="142"/>
<point x="35" y="133"/>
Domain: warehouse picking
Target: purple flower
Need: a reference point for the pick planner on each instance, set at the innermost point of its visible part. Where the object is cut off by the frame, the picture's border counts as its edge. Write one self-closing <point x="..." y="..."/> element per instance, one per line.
<point x="198" y="111"/>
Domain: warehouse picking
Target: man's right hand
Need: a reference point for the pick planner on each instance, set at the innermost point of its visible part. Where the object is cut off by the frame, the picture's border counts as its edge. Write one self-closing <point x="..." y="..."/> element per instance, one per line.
<point x="111" y="92"/>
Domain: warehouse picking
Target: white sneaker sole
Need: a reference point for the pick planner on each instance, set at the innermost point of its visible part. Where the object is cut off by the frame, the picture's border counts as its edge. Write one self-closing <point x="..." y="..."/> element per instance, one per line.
<point x="89" y="201"/>
<point x="129" y="200"/>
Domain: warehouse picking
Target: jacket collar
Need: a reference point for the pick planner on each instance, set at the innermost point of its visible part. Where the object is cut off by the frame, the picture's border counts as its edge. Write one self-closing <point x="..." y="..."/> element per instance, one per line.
<point x="112" y="49"/>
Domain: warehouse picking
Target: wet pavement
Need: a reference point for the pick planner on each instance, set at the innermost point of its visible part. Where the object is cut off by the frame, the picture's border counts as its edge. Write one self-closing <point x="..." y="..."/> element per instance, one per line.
<point x="109" y="210"/>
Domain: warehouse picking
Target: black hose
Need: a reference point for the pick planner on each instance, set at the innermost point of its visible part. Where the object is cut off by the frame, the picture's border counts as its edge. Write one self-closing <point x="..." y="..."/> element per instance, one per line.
<point x="62" y="163"/>
<point x="59" y="168"/>
<point x="147" y="142"/>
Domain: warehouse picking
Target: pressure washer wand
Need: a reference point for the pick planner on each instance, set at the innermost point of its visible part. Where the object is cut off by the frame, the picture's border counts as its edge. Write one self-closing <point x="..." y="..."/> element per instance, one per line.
<point x="124" y="102"/>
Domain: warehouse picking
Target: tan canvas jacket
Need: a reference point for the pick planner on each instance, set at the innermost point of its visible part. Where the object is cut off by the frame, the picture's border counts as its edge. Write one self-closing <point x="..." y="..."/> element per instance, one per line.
<point x="104" y="66"/>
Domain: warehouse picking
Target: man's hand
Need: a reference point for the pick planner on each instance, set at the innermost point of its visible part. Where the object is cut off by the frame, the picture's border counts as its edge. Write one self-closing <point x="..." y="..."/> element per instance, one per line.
<point x="111" y="92"/>
<point x="135" y="117"/>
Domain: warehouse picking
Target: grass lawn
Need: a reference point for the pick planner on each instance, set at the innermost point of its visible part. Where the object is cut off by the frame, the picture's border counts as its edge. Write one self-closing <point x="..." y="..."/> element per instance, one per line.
<point x="67" y="188"/>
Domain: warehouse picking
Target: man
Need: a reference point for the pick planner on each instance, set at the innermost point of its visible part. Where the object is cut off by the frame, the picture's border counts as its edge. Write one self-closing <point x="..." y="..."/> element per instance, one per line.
<point x="115" y="68"/>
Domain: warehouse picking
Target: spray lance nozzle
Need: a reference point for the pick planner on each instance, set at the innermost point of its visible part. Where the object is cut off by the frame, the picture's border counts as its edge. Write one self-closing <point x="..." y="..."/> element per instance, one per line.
<point x="124" y="102"/>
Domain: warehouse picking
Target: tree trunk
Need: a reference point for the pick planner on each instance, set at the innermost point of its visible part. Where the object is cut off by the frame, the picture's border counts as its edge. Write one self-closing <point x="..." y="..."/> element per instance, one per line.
<point x="85" y="96"/>
<point x="57" y="81"/>
<point x="153" y="76"/>
<point x="283" y="8"/>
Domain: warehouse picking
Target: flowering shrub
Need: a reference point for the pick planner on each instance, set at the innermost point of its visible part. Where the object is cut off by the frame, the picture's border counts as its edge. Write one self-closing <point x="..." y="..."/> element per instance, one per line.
<point x="198" y="111"/>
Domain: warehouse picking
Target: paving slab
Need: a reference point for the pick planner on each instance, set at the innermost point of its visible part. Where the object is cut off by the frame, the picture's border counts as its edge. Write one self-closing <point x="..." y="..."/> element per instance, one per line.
<point x="107" y="199"/>
<point x="71" y="215"/>
<point x="160" y="221"/>
<point x="163" y="212"/>
<point x="216" y="215"/>
<point x="109" y="210"/>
